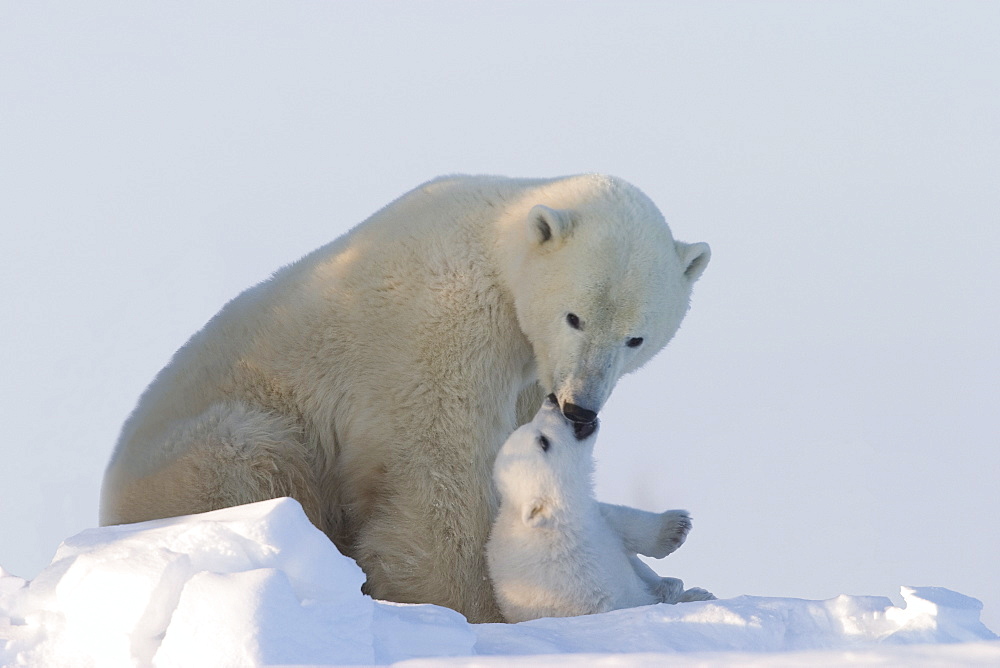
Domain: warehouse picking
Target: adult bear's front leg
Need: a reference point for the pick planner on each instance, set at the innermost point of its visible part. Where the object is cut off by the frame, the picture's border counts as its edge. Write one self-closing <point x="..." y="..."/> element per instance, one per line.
<point x="424" y="541"/>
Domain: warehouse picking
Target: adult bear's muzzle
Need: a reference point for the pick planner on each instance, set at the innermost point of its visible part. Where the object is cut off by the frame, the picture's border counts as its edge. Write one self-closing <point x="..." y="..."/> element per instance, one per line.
<point x="578" y="413"/>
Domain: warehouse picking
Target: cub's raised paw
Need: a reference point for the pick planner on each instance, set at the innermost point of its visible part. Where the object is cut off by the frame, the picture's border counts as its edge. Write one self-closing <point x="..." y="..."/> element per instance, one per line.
<point x="696" y="594"/>
<point x="674" y="528"/>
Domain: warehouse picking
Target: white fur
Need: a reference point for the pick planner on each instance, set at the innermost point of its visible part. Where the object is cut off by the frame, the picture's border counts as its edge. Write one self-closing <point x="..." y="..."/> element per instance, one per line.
<point x="554" y="551"/>
<point x="375" y="379"/>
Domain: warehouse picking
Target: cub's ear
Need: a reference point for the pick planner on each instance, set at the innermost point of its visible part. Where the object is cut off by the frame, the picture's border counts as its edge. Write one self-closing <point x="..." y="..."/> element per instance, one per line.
<point x="694" y="258"/>
<point x="536" y="513"/>
<point x="547" y="224"/>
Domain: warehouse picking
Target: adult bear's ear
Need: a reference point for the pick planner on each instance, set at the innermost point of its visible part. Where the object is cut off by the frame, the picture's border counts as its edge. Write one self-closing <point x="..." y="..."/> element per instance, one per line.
<point x="548" y="224"/>
<point x="536" y="513"/>
<point x="694" y="258"/>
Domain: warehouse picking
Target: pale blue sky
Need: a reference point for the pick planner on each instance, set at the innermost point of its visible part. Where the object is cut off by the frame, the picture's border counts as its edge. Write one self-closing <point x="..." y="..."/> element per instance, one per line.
<point x="829" y="410"/>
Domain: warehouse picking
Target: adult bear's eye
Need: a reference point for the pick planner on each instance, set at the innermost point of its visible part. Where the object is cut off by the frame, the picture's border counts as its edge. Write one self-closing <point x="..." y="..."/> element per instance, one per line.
<point x="544" y="442"/>
<point x="634" y="342"/>
<point x="573" y="321"/>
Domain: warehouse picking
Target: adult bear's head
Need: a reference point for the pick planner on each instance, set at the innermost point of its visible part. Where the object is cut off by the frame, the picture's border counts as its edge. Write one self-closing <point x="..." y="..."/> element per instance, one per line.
<point x="599" y="284"/>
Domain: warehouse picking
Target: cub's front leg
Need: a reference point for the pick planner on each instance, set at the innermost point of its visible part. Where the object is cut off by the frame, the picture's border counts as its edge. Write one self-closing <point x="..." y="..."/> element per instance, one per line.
<point x="650" y="534"/>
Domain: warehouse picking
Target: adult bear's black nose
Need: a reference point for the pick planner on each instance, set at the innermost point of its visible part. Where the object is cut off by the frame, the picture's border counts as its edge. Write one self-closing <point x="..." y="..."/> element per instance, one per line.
<point x="578" y="413"/>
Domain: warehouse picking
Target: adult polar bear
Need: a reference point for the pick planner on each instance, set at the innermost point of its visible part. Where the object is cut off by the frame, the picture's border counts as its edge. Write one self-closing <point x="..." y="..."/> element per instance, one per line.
<point x="375" y="379"/>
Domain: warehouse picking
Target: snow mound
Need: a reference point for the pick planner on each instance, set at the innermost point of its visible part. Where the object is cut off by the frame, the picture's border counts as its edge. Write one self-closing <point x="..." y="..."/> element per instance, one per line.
<point x="259" y="585"/>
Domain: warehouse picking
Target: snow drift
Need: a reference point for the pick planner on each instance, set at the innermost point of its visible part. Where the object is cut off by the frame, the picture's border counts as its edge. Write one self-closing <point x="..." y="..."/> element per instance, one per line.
<point x="259" y="585"/>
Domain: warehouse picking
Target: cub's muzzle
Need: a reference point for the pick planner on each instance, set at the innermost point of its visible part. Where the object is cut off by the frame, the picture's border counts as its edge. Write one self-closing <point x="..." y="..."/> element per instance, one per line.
<point x="584" y="421"/>
<point x="583" y="430"/>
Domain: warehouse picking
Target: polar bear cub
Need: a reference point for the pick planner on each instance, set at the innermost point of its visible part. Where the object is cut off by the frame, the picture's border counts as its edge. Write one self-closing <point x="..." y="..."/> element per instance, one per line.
<point x="554" y="551"/>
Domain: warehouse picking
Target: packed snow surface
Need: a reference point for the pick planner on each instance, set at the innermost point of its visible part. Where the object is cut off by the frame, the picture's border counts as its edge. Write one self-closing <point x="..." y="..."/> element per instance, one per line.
<point x="259" y="585"/>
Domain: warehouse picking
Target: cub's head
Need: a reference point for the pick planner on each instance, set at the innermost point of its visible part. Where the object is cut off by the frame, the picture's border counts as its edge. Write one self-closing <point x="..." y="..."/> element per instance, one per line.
<point x="546" y="466"/>
<point x="600" y="286"/>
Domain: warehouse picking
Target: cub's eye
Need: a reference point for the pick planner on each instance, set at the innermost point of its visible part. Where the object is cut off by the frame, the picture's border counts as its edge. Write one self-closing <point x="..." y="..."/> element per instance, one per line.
<point x="544" y="442"/>
<point x="573" y="321"/>
<point x="634" y="342"/>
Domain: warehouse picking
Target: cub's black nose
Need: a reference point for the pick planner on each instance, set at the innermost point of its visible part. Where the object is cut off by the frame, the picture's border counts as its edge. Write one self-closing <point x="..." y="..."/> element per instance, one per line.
<point x="584" y="429"/>
<point x="578" y="414"/>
